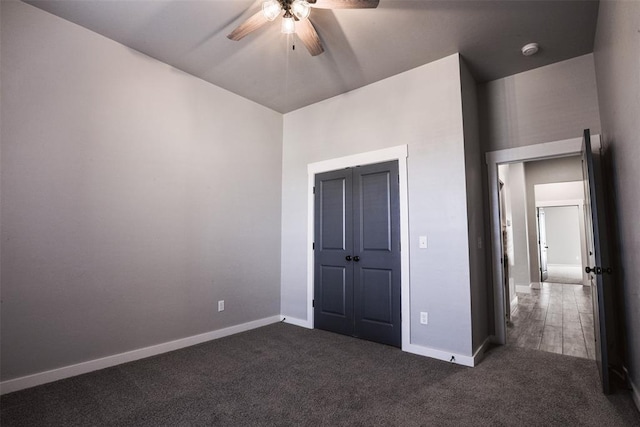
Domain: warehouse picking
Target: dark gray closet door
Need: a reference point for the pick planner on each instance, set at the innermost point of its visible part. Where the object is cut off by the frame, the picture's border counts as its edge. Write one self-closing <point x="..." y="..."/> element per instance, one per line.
<point x="333" y="271"/>
<point x="357" y="252"/>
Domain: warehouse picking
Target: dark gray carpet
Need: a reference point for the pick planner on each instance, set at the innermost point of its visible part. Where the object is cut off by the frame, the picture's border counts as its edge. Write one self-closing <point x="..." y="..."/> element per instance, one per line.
<point x="284" y="375"/>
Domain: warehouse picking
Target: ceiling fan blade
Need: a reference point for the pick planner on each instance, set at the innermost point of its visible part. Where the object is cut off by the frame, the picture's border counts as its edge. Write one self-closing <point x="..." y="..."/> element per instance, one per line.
<point x="309" y="37"/>
<point x="248" y="26"/>
<point x="344" y="4"/>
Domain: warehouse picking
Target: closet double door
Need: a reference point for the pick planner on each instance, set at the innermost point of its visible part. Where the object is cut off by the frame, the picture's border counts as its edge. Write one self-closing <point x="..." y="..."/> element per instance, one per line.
<point x="357" y="252"/>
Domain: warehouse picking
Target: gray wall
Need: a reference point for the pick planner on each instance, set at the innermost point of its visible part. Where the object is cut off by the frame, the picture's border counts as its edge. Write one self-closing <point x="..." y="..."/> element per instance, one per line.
<point x="134" y="196"/>
<point x="543" y="172"/>
<point x="547" y="104"/>
<point x="618" y="74"/>
<point x="423" y="109"/>
<point x="563" y="235"/>
<point x="475" y="209"/>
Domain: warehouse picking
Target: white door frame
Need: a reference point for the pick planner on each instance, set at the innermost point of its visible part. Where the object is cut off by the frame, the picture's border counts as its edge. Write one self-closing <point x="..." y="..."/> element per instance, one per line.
<point x="563" y="148"/>
<point x="398" y="153"/>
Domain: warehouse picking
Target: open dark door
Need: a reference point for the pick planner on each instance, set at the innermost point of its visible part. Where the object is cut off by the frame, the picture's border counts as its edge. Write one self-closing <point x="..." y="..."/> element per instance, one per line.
<point x="542" y="245"/>
<point x="599" y="268"/>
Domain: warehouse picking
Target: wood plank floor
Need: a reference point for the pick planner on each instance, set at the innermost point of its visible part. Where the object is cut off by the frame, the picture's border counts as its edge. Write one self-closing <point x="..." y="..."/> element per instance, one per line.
<point x="557" y="318"/>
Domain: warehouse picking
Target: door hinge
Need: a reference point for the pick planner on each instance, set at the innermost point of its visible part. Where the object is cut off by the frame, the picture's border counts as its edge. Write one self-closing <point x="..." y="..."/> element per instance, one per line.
<point x="313" y="245"/>
<point x="313" y="303"/>
<point x="314" y="190"/>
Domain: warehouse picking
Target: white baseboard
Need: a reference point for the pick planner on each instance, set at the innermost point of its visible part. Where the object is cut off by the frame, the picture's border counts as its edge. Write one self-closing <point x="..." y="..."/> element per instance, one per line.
<point x="297" y="322"/>
<point x="447" y="356"/>
<point x="525" y="289"/>
<point x="129" y="356"/>
<point x="578" y="266"/>
<point x="479" y="353"/>
<point x="513" y="304"/>
<point x="535" y="285"/>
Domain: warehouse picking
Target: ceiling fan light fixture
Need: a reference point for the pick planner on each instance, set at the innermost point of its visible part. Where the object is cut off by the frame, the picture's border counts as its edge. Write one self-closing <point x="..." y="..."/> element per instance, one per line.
<point x="301" y="9"/>
<point x="288" y="23"/>
<point x="271" y="9"/>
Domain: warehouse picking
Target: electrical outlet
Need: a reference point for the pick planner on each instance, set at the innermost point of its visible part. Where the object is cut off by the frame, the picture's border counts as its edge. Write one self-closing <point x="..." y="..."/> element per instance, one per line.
<point x="424" y="317"/>
<point x="221" y="305"/>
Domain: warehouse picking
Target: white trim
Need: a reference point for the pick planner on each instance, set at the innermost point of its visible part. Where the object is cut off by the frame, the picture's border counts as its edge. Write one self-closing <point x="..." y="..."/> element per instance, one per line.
<point x="400" y="154"/>
<point x="458" y="359"/>
<point x="129" y="356"/>
<point x="297" y="322"/>
<point x="514" y="303"/>
<point x="557" y="203"/>
<point x="479" y="353"/>
<point x="525" y="289"/>
<point x="567" y="147"/>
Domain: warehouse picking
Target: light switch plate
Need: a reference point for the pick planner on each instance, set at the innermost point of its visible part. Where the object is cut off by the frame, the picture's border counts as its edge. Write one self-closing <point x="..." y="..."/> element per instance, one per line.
<point x="424" y="317"/>
<point x="423" y="242"/>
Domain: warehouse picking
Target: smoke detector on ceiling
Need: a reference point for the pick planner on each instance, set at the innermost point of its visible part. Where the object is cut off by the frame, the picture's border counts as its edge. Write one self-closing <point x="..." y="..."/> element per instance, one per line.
<point x="530" y="49"/>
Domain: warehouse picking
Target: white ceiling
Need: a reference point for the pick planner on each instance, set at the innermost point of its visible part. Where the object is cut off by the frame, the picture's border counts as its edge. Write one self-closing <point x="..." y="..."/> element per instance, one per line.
<point x="361" y="46"/>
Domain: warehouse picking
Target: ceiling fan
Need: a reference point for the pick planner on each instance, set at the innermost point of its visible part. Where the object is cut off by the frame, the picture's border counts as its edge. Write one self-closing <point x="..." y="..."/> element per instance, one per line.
<point x="295" y="18"/>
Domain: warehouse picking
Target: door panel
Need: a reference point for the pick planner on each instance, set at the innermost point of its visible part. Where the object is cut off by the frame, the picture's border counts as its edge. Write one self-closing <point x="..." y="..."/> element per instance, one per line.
<point x="377" y="295"/>
<point x="357" y="252"/>
<point x="333" y="284"/>
<point x="375" y="211"/>
<point x="333" y="195"/>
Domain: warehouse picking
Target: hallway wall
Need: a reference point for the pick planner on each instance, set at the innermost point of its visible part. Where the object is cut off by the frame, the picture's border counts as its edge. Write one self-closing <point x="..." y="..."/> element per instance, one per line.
<point x="563" y="235"/>
<point x="546" y="104"/>
<point x="617" y="69"/>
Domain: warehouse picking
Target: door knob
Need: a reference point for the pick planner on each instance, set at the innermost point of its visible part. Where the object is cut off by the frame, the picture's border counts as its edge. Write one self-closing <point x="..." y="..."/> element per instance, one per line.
<point x="348" y="257"/>
<point x="356" y="258"/>
<point x="597" y="270"/>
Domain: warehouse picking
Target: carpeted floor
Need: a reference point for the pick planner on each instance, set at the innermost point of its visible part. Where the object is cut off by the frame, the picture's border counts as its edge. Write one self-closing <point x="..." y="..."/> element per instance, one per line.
<point x="284" y="375"/>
